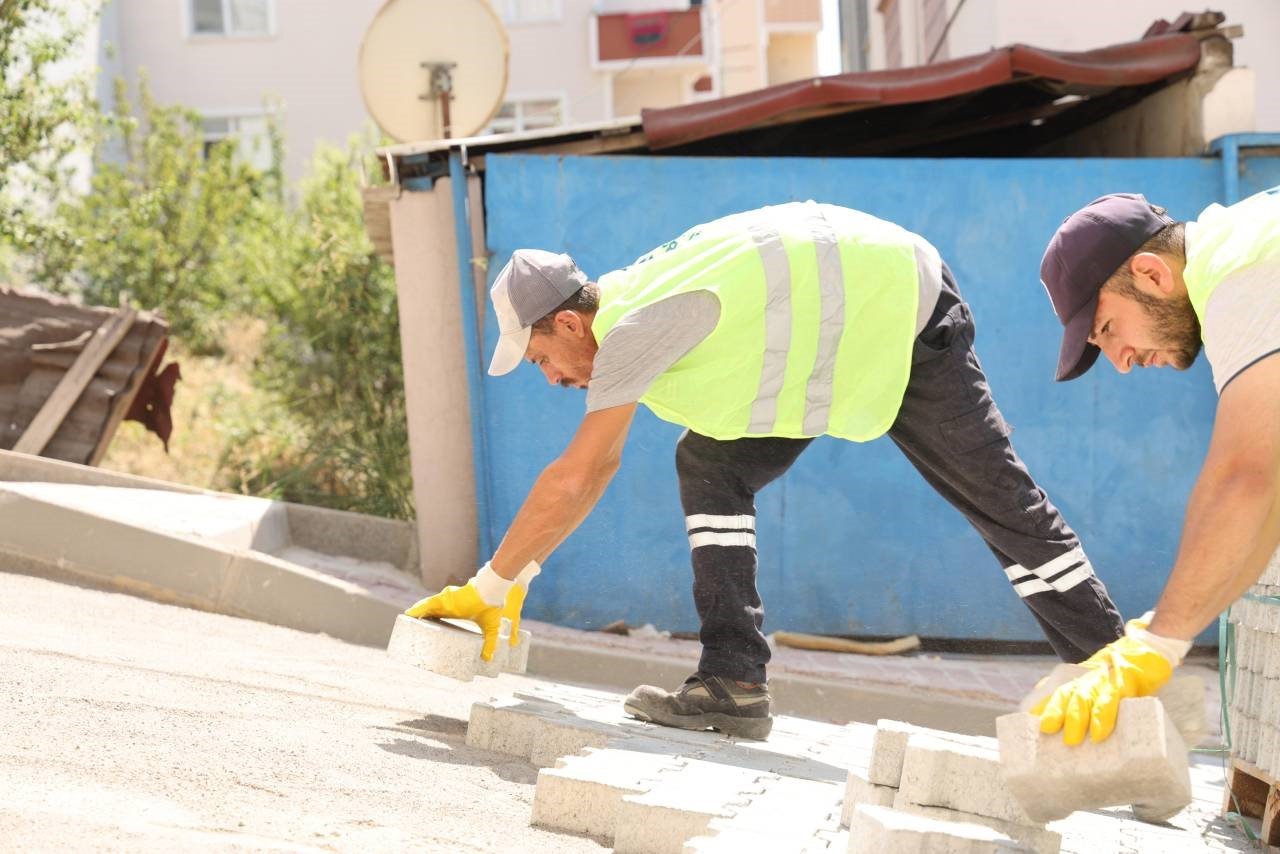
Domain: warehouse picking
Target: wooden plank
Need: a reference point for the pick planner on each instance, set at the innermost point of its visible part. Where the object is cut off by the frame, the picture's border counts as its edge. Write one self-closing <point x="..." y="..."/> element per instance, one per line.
<point x="1271" y="817"/>
<point x="1248" y="790"/>
<point x="122" y="401"/>
<point x="68" y="391"/>
<point x="798" y="640"/>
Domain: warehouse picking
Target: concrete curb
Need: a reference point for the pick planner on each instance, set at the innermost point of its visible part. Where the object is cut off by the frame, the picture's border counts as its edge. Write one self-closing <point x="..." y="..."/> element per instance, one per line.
<point x="186" y="571"/>
<point x="318" y="528"/>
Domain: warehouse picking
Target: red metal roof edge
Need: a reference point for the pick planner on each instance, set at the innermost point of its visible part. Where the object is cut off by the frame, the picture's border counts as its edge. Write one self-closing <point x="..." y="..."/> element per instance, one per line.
<point x="1129" y="64"/>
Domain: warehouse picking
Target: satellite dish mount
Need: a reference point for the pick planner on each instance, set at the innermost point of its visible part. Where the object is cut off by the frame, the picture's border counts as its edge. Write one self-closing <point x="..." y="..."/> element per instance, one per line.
<point x="440" y="90"/>
<point x="459" y="46"/>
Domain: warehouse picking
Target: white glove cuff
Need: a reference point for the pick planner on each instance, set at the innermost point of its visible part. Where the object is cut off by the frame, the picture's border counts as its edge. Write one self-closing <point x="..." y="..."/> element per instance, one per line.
<point x="527" y="574"/>
<point x="491" y="586"/>
<point x="1171" y="648"/>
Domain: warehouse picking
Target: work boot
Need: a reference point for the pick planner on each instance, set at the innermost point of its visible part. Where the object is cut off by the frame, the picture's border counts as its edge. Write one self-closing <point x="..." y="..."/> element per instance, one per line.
<point x="706" y="702"/>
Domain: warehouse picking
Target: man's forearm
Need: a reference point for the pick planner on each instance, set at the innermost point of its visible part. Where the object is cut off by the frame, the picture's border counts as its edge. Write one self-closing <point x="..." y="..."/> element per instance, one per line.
<point x="556" y="505"/>
<point x="1231" y="530"/>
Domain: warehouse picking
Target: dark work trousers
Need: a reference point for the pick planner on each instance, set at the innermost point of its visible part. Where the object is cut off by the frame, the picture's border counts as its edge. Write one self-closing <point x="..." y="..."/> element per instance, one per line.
<point x="952" y="432"/>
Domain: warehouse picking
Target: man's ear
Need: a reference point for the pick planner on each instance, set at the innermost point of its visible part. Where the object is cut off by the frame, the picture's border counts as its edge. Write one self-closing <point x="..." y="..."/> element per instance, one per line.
<point x="571" y="321"/>
<point x="1152" y="274"/>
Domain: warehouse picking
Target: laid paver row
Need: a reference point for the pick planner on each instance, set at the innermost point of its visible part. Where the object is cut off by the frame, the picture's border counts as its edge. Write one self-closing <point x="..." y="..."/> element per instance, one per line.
<point x="641" y="788"/>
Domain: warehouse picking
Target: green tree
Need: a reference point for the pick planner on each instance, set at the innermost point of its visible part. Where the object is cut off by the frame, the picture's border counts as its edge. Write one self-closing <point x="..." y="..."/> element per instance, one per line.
<point x="45" y="108"/>
<point x="332" y="361"/>
<point x="171" y="222"/>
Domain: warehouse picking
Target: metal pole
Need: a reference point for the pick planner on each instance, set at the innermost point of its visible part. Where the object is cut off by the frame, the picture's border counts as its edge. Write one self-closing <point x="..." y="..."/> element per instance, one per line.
<point x="474" y="350"/>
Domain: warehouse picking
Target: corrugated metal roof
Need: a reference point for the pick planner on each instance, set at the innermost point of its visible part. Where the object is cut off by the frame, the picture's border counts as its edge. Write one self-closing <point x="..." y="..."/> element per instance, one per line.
<point x="1055" y="73"/>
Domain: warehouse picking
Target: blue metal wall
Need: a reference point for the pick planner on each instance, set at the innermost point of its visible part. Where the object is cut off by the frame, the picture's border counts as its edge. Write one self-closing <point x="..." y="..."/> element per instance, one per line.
<point x="851" y="540"/>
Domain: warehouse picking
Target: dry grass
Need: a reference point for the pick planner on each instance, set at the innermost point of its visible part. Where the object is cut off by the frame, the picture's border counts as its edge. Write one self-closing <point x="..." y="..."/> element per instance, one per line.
<point x="215" y="392"/>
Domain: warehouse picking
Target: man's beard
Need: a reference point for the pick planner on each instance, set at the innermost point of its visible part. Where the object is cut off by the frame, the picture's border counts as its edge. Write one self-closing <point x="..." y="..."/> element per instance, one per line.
<point x="1175" y="326"/>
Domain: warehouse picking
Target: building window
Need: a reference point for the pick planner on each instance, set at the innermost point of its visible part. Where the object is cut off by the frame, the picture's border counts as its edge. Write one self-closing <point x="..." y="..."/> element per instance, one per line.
<point x="230" y="17"/>
<point x="247" y="132"/>
<point x="528" y="114"/>
<point x="528" y="11"/>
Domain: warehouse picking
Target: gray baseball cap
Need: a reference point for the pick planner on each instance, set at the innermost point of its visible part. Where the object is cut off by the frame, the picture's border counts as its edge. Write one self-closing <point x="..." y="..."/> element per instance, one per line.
<point x="532" y="284"/>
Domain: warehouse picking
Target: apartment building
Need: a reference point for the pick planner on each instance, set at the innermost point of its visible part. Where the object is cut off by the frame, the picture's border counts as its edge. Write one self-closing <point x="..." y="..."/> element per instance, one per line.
<point x="916" y="32"/>
<point x="571" y="61"/>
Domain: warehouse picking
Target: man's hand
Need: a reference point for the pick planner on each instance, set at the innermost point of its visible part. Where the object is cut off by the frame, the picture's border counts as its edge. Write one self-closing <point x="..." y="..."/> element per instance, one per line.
<point x="1136" y="665"/>
<point x="515" y="599"/>
<point x="473" y="601"/>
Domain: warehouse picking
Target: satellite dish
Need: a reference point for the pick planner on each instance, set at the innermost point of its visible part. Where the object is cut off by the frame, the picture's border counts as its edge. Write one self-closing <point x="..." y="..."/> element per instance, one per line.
<point x="433" y="69"/>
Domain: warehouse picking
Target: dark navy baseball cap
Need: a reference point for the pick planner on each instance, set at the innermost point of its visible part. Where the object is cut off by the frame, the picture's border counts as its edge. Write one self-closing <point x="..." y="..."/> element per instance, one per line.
<point x="1086" y="250"/>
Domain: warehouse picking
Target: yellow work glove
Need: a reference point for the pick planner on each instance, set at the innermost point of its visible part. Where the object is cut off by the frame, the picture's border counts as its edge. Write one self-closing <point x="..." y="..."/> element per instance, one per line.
<point x="1136" y="665"/>
<point x="480" y="600"/>
<point x="515" y="599"/>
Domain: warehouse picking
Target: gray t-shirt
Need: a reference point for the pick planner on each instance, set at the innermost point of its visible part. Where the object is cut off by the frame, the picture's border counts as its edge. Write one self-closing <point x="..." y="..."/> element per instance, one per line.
<point x="1242" y="321"/>
<point x="647" y="341"/>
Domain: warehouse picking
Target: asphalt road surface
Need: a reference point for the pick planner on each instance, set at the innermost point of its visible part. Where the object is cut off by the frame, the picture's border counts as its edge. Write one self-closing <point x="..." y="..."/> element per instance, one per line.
<point x="130" y="725"/>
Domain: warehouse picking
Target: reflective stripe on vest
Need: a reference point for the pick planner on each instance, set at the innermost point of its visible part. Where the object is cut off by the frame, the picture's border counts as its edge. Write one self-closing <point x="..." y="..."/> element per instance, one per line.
<point x="777" y="328"/>
<point x="819" y="393"/>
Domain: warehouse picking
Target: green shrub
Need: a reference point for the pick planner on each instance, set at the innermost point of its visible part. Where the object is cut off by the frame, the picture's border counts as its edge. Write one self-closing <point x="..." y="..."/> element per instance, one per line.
<point x="332" y="360"/>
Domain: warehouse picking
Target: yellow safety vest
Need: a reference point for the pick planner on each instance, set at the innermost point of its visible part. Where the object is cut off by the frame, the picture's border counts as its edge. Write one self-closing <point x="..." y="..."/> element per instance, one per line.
<point x="817" y="321"/>
<point x="1223" y="240"/>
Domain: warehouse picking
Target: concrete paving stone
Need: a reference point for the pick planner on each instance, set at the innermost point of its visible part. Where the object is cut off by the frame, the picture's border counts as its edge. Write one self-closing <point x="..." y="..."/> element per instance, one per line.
<point x="445" y="647"/>
<point x="1183" y="698"/>
<point x="860" y="790"/>
<point x="879" y="830"/>
<point x="680" y="804"/>
<point x="518" y="655"/>
<point x="889" y="747"/>
<point x="1143" y="762"/>
<point x="543" y="726"/>
<point x="965" y="777"/>
<point x="859" y="739"/>
<point x="736" y="841"/>
<point x="807" y="804"/>
<point x="507" y="725"/>
<point x="827" y="841"/>
<point x="564" y="735"/>
<point x="582" y="794"/>
<point x="730" y="841"/>
<point x="1038" y="839"/>
<point x="1061" y="674"/>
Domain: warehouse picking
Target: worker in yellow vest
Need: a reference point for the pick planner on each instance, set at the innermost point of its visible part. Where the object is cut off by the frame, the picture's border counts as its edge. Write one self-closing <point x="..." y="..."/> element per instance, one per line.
<point x="759" y="332"/>
<point x="1129" y="282"/>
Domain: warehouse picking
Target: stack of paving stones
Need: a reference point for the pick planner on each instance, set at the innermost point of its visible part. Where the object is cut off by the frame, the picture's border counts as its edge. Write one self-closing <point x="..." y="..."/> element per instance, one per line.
<point x="929" y="790"/>
<point x="452" y="648"/>
<point x="1255" y="705"/>
<point x="644" y="789"/>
